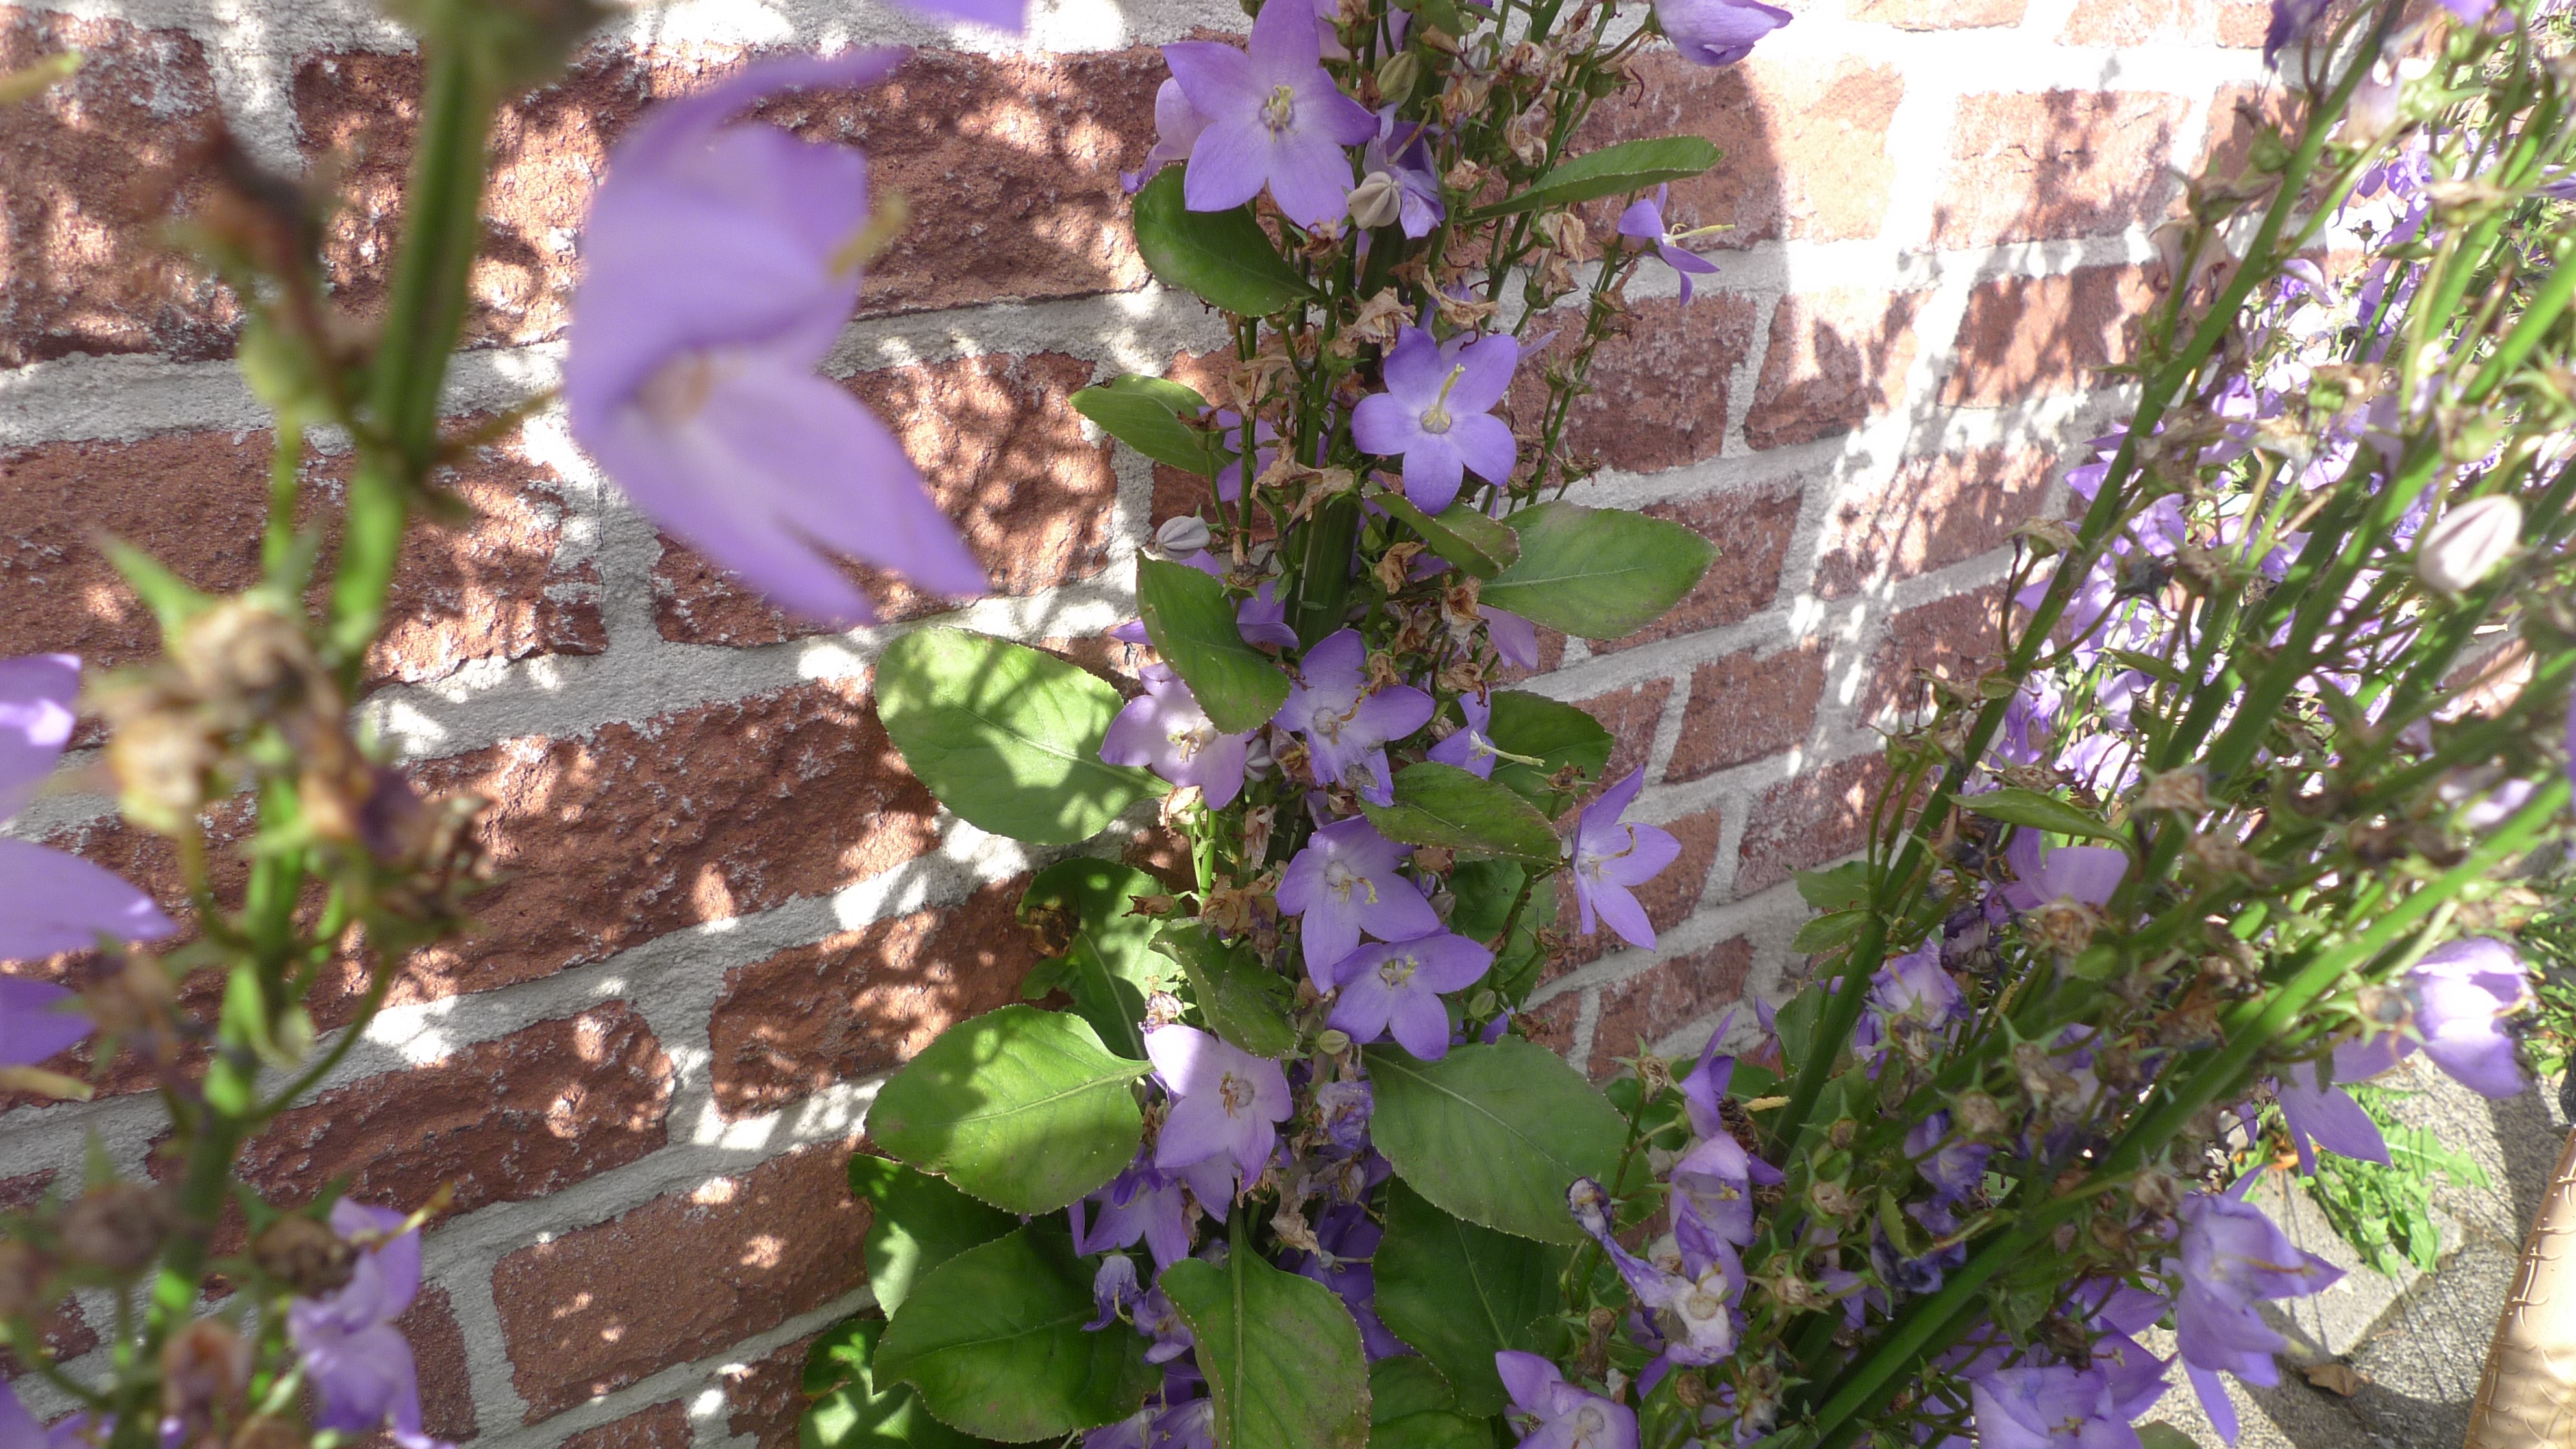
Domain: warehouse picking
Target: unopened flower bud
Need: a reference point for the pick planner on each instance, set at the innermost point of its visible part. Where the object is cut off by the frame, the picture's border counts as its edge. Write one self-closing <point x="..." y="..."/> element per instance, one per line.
<point x="1184" y="537"/>
<point x="161" y="760"/>
<point x="118" y="1227"/>
<point x="2464" y="545"/>
<point x="1332" y="1041"/>
<point x="1397" y="75"/>
<point x="240" y="656"/>
<point x="304" y="1255"/>
<point x="1376" y="201"/>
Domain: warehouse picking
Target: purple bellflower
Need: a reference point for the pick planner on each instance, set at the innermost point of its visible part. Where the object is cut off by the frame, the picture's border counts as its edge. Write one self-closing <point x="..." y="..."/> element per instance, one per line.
<point x="1345" y="882"/>
<point x="1164" y="730"/>
<point x="1717" y="32"/>
<point x="1713" y="1185"/>
<point x="1177" y="125"/>
<point x="359" y="1363"/>
<point x="1911" y="989"/>
<point x="1516" y="639"/>
<point x="1694" y="1297"/>
<point x="1159" y="1321"/>
<point x="1140" y="1203"/>
<point x="1226" y="1105"/>
<point x="1274" y="118"/>
<point x="1470" y="749"/>
<point x="1348" y="1240"/>
<point x="49" y="901"/>
<point x="719" y="270"/>
<point x="1644" y="221"/>
<point x="1952" y="1166"/>
<point x="2232" y="1256"/>
<point x="1553" y="1414"/>
<point x="2084" y="874"/>
<point x="1437" y="413"/>
<point x="1263" y="618"/>
<point x="2049" y="1407"/>
<point x="1402" y="149"/>
<point x="1113" y="1289"/>
<point x="1609" y="857"/>
<point x="1346" y="724"/>
<point x="1346" y="1108"/>
<point x="2459" y="993"/>
<point x="2327" y="1117"/>
<point x="2291" y="21"/>
<point x="1394" y="987"/>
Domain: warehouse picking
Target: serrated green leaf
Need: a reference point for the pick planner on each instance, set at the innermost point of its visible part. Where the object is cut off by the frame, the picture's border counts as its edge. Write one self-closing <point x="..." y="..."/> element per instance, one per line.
<point x="1222" y="257"/>
<point x="1597" y="573"/>
<point x="1460" y="534"/>
<point x="1840" y="888"/>
<point x="1460" y="1293"/>
<point x="1629" y="166"/>
<point x="1494" y="1134"/>
<point x="1108" y="968"/>
<point x="1191" y="621"/>
<point x="1544" y="729"/>
<point x="993" y="1341"/>
<point x="1484" y="891"/>
<point x="850" y="1412"/>
<point x="2016" y="806"/>
<point x="1828" y="931"/>
<point x="1407" y="1384"/>
<point x="1242" y="1001"/>
<point x="1007" y="737"/>
<point x="916" y="1223"/>
<point x="1147" y="421"/>
<point x="1281" y="1354"/>
<point x="1442" y="805"/>
<point x="1023" y="1108"/>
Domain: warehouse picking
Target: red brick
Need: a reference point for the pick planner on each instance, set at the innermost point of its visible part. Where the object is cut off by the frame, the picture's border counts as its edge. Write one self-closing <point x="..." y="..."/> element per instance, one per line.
<point x="1551" y="1023"/>
<point x="501" y="1121"/>
<point x="1939" y="14"/>
<point x="83" y="269"/>
<point x="1010" y="166"/>
<point x="1807" y="821"/>
<point x="64" y="1328"/>
<point x="1935" y="512"/>
<point x="1953" y="638"/>
<point x="678" y="1278"/>
<point x="2027" y="166"/>
<point x="1835" y="358"/>
<point x="438" y="1351"/>
<point x="765" y="1398"/>
<point x="2026" y="336"/>
<point x="998" y="441"/>
<point x="1661" y="387"/>
<point x="663" y="1426"/>
<point x="2242" y="24"/>
<point x="1751" y="530"/>
<point x="1805" y="143"/>
<point x="2143" y="22"/>
<point x="609" y="840"/>
<point x="1745" y="707"/>
<point x="2237" y="115"/>
<point x="1666" y="997"/>
<point x="1630" y="715"/>
<point x="489" y="588"/>
<point x="862" y="1002"/>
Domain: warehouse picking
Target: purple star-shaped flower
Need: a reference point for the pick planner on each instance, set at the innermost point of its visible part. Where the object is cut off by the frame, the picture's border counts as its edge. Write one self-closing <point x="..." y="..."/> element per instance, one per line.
<point x="359" y="1362"/>
<point x="1953" y="1166"/>
<point x="1437" y="413"/>
<point x="1911" y="988"/>
<point x="1644" y="221"/>
<point x="1346" y="725"/>
<point x="2325" y="1117"/>
<point x="2459" y="994"/>
<point x="1140" y="1203"/>
<point x="1226" y="1105"/>
<point x="1274" y="118"/>
<point x="2050" y="1406"/>
<point x="718" y="271"/>
<point x="2233" y="1256"/>
<point x="1344" y="882"/>
<point x="2085" y="874"/>
<point x="1394" y="987"/>
<point x="1470" y="749"/>
<point x="1609" y="856"/>
<point x="1557" y="1415"/>
<point x="1717" y="32"/>
<point x="1164" y="730"/>
<point x="1402" y="149"/>
<point x="50" y="902"/>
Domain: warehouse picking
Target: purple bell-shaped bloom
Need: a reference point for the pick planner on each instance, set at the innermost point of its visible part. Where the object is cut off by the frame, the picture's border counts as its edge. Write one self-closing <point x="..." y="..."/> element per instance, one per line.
<point x="1165" y="731"/>
<point x="2232" y="1257"/>
<point x="2458" y="994"/>
<point x="2050" y="1406"/>
<point x="1644" y="221"/>
<point x="1470" y="749"/>
<point x="1395" y="987"/>
<point x="50" y="902"/>
<point x="1274" y="118"/>
<point x="1437" y="413"/>
<point x="1717" y="32"/>
<point x="1138" y="1204"/>
<point x="1345" y="882"/>
<point x="2327" y="1117"/>
<point x="360" y="1365"/>
<point x="1347" y="725"/>
<point x="2084" y="874"/>
<point x="1608" y="857"/>
<point x="1227" y="1104"/>
<point x="1553" y="1414"/>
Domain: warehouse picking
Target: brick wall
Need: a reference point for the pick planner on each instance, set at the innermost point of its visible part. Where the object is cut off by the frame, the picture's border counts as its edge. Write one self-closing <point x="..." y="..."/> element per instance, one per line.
<point x="727" y="911"/>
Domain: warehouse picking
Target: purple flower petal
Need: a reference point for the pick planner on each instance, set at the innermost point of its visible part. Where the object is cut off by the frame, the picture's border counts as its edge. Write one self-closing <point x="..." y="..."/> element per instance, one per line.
<point x="51" y="902"/>
<point x="33" y="1022"/>
<point x="39" y="695"/>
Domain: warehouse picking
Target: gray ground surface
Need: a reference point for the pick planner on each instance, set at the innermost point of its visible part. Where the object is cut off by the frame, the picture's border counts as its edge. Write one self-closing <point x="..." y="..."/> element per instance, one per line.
<point x="2417" y="1344"/>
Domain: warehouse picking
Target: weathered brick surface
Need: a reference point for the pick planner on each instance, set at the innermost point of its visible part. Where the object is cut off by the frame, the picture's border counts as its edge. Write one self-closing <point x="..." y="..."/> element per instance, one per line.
<point x="2141" y="22"/>
<point x="1834" y="358"/>
<point x="1551" y="1023"/>
<point x="861" y="1002"/>
<point x="1939" y="14"/>
<point x="1665" y="996"/>
<point x="1952" y="639"/>
<point x="438" y="1352"/>
<point x="1661" y="390"/>
<point x="764" y="1398"/>
<point x="1807" y="821"/>
<point x="81" y="269"/>
<point x="2027" y="336"/>
<point x="727" y="1260"/>
<point x="1630" y="715"/>
<point x="663" y="1426"/>
<point x="500" y="1121"/>
<point x="998" y="441"/>
<point x="2025" y="166"/>
<point x="1751" y="530"/>
<point x="1747" y="706"/>
<point x="1935" y="512"/>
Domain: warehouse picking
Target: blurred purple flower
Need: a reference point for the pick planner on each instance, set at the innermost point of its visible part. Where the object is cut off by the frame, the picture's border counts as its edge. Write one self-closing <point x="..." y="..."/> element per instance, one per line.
<point x="359" y="1363"/>
<point x="1164" y="730"/>
<point x="1717" y="32"/>
<point x="718" y="272"/>
<point x="1952" y="1166"/>
<point x="2325" y="1117"/>
<point x="1273" y="118"/>
<point x="2048" y="1407"/>
<point x="1159" y="1321"/>
<point x="1177" y="125"/>
<point x="2459" y="994"/>
<point x="1140" y="1203"/>
<point x="49" y="901"/>
<point x="1699" y="1290"/>
<point x="1609" y="856"/>
<point x="1348" y="1241"/>
<point x="1713" y="1184"/>
<point x="1346" y="1108"/>
<point x="2233" y="1256"/>
<point x="2084" y="874"/>
<point x="1644" y="221"/>
<point x="1394" y="987"/>
<point x="1437" y="413"/>
<point x="1912" y="988"/>
<point x="1470" y="749"/>
<point x="2291" y="21"/>
<point x="1344" y="882"/>
<point x="1346" y="725"/>
<point x="1553" y="1414"/>
<point x="1226" y="1102"/>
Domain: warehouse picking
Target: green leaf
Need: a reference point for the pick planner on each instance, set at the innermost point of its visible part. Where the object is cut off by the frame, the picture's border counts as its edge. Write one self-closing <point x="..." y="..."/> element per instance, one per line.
<point x="1796" y="1022"/>
<point x="1281" y="1354"/>
<point x="1243" y="1001"/>
<point x="2016" y="806"/>
<point x="1191" y="620"/>
<point x="1406" y="1384"/>
<point x="1461" y="1293"/>
<point x="850" y="1412"/>
<point x="1518" y="961"/>
<point x="1006" y="736"/>
<point x="1436" y="1430"/>
<point x="1222" y="257"/>
<point x="1484" y="890"/>
<point x="1495" y="1134"/>
<point x="1828" y="931"/>
<point x="1843" y="887"/>
<point x="1108" y="969"/>
<point x="916" y="1223"/>
<point x="1543" y="729"/>
<point x="1151" y="421"/>
<point x="172" y="599"/>
<point x="1442" y="805"/>
<point x="1459" y="534"/>
<point x="1611" y="171"/>
<point x="1599" y="573"/>
<point x="1021" y="1107"/>
<point x="2161" y="1435"/>
<point x="993" y="1340"/>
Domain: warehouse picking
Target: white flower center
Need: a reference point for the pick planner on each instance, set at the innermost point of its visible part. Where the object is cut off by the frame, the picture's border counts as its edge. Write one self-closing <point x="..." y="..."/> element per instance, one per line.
<point x="1341" y="880"/>
<point x="1235" y="1093"/>
<point x="1188" y="739"/>
<point x="1280" y="111"/>
<point x="1435" y="418"/>
<point x="1328" y="723"/>
<point x="1395" y="971"/>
